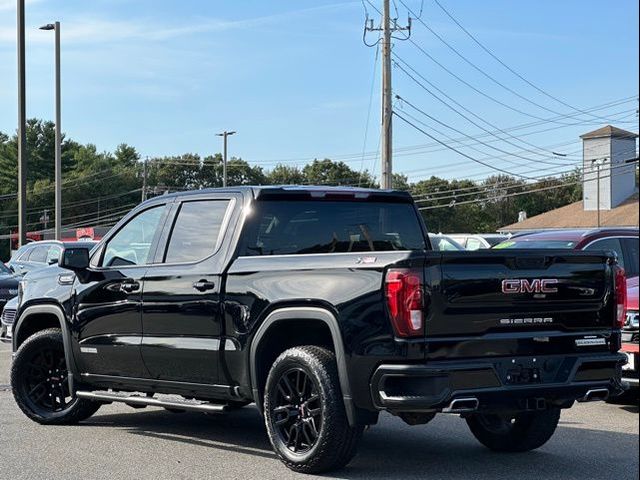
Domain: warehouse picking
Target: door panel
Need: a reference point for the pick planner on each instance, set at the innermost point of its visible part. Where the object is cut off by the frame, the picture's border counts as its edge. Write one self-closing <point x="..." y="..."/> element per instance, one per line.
<point x="108" y="323"/>
<point x="181" y="300"/>
<point x="108" y="316"/>
<point x="181" y="324"/>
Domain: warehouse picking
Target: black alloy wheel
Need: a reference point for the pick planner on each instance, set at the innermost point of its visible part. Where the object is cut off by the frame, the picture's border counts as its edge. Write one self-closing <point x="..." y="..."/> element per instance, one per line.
<point x="305" y="412"/>
<point x="297" y="410"/>
<point x="45" y="382"/>
<point x="40" y="382"/>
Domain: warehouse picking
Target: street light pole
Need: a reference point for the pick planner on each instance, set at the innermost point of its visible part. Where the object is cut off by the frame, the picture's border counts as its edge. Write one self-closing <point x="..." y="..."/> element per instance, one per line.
<point x="58" y="153"/>
<point x="22" y="131"/>
<point x="224" y="136"/>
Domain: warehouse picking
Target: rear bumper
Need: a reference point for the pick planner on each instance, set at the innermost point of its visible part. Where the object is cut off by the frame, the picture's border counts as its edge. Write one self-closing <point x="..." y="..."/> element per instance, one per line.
<point x="497" y="384"/>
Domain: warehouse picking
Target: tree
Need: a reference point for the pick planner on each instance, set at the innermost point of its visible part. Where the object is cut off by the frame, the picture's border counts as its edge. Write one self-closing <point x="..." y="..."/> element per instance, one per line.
<point x="284" y="175"/>
<point x="328" y="172"/>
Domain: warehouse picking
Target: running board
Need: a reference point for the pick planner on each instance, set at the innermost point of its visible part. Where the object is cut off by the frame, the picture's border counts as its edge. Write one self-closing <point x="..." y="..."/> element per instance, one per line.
<point x="143" y="401"/>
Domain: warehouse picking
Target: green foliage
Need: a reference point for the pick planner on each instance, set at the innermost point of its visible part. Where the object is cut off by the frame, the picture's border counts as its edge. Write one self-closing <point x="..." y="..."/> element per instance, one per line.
<point x="99" y="187"/>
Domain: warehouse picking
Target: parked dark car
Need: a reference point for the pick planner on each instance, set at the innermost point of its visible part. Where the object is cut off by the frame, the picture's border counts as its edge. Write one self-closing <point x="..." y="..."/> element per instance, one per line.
<point x="8" y="285"/>
<point x="40" y="254"/>
<point x="324" y="306"/>
<point x="623" y="241"/>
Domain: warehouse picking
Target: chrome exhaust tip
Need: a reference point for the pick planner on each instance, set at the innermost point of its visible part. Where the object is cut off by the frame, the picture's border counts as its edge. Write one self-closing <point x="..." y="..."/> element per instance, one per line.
<point x="462" y="405"/>
<point x="595" y="395"/>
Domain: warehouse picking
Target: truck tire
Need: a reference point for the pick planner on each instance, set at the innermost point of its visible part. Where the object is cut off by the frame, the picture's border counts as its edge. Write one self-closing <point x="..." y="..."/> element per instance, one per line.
<point x="514" y="433"/>
<point x="39" y="382"/>
<point x="304" y="412"/>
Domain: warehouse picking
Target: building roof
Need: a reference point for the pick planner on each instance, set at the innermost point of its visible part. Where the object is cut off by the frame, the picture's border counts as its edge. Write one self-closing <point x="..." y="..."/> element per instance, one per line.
<point x="574" y="216"/>
<point x="608" y="131"/>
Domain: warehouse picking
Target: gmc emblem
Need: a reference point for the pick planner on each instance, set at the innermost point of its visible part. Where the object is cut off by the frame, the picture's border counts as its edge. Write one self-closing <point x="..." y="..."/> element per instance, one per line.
<point x="522" y="285"/>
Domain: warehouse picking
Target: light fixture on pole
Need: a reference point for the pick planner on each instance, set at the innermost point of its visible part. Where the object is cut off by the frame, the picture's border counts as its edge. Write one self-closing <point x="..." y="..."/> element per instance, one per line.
<point x="224" y="136"/>
<point x="58" y="154"/>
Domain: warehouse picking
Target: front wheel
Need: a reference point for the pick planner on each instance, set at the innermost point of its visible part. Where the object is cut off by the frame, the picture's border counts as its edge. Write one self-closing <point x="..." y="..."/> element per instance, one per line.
<point x="519" y="432"/>
<point x="304" y="412"/>
<point x="39" y="380"/>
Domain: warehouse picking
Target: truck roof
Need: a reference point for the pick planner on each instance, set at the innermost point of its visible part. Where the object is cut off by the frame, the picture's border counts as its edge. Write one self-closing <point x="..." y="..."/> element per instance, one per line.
<point x="313" y="191"/>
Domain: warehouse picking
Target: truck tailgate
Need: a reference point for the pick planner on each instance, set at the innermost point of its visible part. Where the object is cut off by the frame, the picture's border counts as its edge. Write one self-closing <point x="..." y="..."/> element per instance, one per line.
<point x="521" y="302"/>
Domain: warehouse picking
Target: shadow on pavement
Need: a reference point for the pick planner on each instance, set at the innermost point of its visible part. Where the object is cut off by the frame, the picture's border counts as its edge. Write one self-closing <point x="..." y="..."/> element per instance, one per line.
<point x="439" y="450"/>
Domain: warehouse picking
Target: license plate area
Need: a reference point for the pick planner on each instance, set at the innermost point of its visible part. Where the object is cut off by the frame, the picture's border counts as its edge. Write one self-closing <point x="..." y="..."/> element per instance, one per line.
<point x="533" y="370"/>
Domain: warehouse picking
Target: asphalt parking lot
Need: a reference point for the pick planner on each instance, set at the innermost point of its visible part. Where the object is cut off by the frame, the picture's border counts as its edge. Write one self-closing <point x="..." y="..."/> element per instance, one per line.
<point x="593" y="441"/>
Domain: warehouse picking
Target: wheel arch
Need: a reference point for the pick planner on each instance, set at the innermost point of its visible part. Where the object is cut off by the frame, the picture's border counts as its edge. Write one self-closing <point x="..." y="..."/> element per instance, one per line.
<point x="36" y="318"/>
<point x="312" y="314"/>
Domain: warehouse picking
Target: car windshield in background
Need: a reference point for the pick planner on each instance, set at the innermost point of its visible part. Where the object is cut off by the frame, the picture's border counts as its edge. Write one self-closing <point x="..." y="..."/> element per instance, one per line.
<point x="4" y="270"/>
<point x="289" y="228"/>
<point x="493" y="241"/>
<point x="536" y="244"/>
<point x="444" y="244"/>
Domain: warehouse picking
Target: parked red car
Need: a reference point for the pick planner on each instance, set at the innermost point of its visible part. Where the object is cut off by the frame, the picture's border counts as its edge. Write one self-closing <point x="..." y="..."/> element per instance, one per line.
<point x="630" y="334"/>
<point x="623" y="241"/>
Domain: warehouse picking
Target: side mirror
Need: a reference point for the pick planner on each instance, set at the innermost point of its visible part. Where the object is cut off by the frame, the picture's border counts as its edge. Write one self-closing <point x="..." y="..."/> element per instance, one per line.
<point x="74" y="259"/>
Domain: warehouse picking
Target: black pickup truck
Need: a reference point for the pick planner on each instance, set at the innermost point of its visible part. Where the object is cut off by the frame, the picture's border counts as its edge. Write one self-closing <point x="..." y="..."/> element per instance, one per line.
<point x="324" y="306"/>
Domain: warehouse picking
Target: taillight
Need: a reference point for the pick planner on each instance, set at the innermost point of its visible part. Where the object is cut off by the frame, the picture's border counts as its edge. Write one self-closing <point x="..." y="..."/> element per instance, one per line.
<point x="403" y="289"/>
<point x="621" y="295"/>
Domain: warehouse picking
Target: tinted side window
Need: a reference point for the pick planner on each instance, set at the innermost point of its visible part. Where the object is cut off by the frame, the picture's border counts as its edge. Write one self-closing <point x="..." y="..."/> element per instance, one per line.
<point x="302" y="227"/>
<point x="633" y="256"/>
<point x="196" y="231"/>
<point x="609" y="244"/>
<point x="39" y="255"/>
<point x="132" y="244"/>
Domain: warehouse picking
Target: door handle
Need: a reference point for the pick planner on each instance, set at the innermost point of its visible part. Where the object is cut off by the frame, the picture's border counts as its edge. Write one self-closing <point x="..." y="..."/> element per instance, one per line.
<point x="203" y="286"/>
<point x="129" y="287"/>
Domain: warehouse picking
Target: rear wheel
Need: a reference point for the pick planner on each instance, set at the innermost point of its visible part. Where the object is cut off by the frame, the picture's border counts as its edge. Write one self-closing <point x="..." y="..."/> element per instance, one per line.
<point x="39" y="380"/>
<point x="520" y="432"/>
<point x="304" y="412"/>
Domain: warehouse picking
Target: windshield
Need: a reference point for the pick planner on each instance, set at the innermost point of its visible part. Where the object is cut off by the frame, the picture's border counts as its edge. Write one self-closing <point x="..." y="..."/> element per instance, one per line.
<point x="523" y="243"/>
<point x="4" y="270"/>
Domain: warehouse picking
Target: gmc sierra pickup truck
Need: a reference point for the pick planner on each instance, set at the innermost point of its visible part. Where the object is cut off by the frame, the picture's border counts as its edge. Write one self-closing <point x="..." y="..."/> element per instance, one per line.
<point x="325" y="307"/>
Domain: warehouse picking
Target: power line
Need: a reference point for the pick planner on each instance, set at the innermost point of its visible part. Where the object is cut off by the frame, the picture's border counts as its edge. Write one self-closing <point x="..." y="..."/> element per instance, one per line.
<point x="495" y="127"/>
<point x="476" y="67"/>
<point x="501" y="197"/>
<point x="483" y="143"/>
<point x="501" y="62"/>
<point x="508" y="185"/>
<point x="456" y="150"/>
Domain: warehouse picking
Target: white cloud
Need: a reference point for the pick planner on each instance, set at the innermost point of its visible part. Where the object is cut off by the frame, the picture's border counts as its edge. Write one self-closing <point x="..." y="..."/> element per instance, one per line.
<point x="91" y="30"/>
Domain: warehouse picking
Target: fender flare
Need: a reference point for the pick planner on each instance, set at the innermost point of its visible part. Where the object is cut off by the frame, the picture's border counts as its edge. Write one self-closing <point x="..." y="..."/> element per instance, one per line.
<point x="305" y="313"/>
<point x="66" y="334"/>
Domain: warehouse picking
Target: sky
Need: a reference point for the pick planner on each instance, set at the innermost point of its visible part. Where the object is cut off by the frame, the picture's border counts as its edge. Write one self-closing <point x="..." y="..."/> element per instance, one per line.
<point x="296" y="81"/>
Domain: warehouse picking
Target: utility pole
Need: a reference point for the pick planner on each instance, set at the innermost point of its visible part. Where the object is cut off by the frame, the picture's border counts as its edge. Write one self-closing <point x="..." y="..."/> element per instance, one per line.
<point x="387" y="107"/>
<point x="145" y="173"/>
<point x="387" y="28"/>
<point x="224" y="136"/>
<point x="58" y="149"/>
<point x="22" y="131"/>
